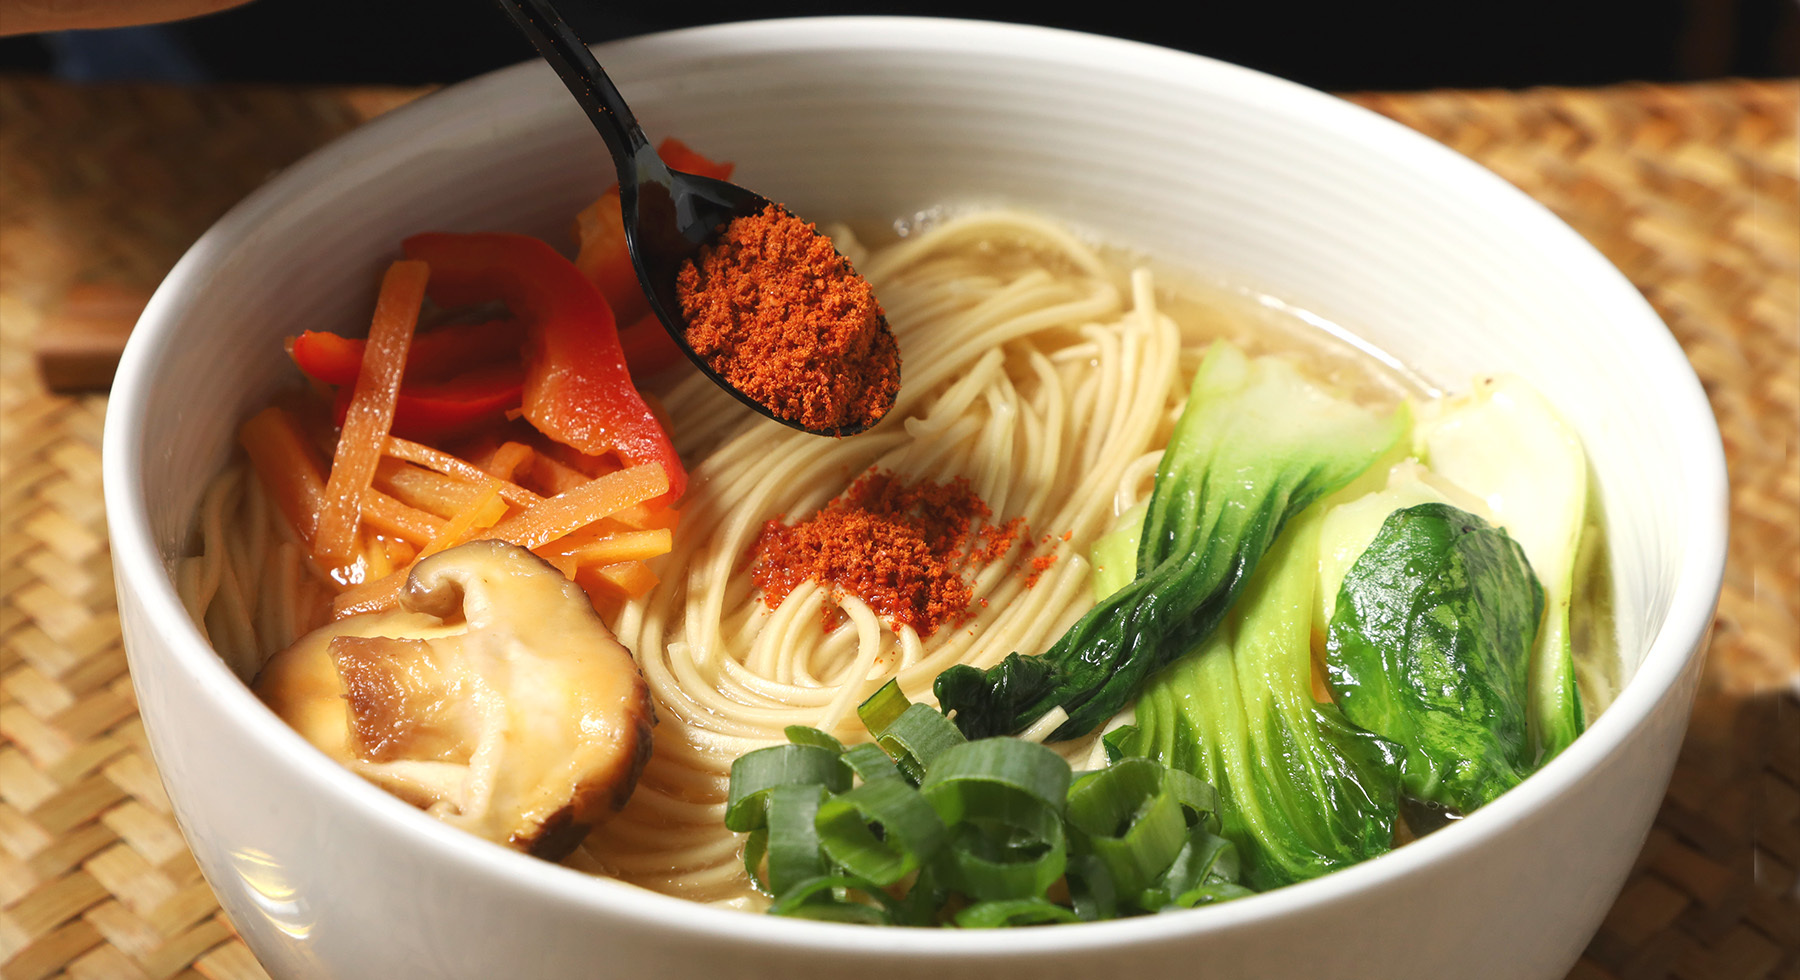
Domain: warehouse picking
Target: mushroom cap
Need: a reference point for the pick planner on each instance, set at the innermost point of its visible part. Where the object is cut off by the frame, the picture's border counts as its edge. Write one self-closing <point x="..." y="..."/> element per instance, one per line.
<point x="494" y="698"/>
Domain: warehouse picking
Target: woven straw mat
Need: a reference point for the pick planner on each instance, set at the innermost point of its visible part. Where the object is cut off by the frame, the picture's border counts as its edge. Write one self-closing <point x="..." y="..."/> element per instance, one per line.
<point x="1692" y="191"/>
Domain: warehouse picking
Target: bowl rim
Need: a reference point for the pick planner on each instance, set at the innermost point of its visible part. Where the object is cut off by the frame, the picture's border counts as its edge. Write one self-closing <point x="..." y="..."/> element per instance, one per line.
<point x="141" y="572"/>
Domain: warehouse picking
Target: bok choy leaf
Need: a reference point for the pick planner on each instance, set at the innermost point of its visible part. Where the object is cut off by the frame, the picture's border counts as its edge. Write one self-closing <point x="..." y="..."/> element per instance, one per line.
<point x="1430" y="646"/>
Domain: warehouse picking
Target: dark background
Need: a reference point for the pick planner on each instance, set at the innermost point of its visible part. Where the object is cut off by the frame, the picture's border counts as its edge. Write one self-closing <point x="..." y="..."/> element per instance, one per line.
<point x="1331" y="44"/>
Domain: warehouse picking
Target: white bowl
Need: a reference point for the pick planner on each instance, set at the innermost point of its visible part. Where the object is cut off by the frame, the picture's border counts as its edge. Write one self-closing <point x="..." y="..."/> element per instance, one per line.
<point x="1196" y="163"/>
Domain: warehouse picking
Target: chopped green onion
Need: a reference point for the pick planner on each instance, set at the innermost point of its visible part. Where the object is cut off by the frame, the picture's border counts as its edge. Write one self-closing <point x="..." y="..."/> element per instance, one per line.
<point x="882" y="707"/>
<point x="911" y="830"/>
<point x="992" y="774"/>
<point x="1205" y="855"/>
<point x="1197" y="797"/>
<point x="1125" y="816"/>
<point x="826" y="898"/>
<point x="1091" y="891"/>
<point x="1212" y="893"/>
<point x="916" y="738"/>
<point x="756" y="847"/>
<point x="793" y="847"/>
<point x="804" y="735"/>
<point x="1007" y="796"/>
<point x="1016" y="858"/>
<point x="996" y="822"/>
<point x="870" y="763"/>
<point x="1013" y="912"/>
<point x="753" y="774"/>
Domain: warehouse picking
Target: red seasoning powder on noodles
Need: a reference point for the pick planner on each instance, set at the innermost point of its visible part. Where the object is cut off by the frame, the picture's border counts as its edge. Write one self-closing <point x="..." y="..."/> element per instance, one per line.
<point x="901" y="548"/>
<point x="777" y="312"/>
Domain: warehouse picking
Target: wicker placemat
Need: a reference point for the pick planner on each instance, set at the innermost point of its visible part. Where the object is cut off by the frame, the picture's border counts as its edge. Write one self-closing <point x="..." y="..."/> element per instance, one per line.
<point x="1692" y="191"/>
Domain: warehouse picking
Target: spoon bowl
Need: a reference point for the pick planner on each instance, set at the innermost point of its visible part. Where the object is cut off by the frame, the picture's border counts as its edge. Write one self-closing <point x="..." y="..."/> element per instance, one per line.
<point x="668" y="214"/>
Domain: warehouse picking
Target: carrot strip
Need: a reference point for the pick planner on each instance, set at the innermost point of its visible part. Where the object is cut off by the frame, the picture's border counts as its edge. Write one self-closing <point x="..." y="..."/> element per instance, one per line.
<point x="630" y="579"/>
<point x="608" y="549"/>
<point x="375" y="595"/>
<point x="425" y="489"/>
<point x="584" y="505"/>
<point x="588" y="466"/>
<point x="566" y="564"/>
<point x="386" y="515"/>
<point x="532" y="529"/>
<point x="449" y="465"/>
<point x="287" y="465"/>
<point x="643" y="517"/>
<point x="399" y="553"/>
<point x="553" y="475"/>
<point x="371" y="413"/>
<point x="629" y="546"/>
<point x="506" y="461"/>
<point x="383" y="593"/>
<point x="374" y="552"/>
<point x="482" y="513"/>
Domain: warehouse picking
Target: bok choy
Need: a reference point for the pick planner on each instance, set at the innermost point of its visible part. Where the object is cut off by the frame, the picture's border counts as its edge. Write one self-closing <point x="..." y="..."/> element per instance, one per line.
<point x="1302" y="791"/>
<point x="1256" y="444"/>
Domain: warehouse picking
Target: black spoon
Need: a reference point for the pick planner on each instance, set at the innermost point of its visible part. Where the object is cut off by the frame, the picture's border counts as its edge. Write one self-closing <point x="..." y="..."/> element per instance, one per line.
<point x="668" y="214"/>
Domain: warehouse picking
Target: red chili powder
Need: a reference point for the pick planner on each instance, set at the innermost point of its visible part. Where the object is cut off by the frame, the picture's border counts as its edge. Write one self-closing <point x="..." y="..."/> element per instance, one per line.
<point x="899" y="547"/>
<point x="775" y="310"/>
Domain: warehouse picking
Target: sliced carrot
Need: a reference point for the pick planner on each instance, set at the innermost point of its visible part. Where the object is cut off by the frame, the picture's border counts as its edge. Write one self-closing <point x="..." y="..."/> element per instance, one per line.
<point x="508" y="459"/>
<point x="628" y="546"/>
<point x="289" y="468"/>
<point x="580" y="462"/>
<point x="373" y="549"/>
<point x="630" y="579"/>
<point x="597" y="498"/>
<point x="427" y="490"/>
<point x="609" y="549"/>
<point x="384" y="593"/>
<point x="371" y="413"/>
<point x="449" y="465"/>
<point x="553" y="475"/>
<point x="482" y="513"/>
<point x="566" y="564"/>
<point x="385" y="515"/>
<point x="399" y="553"/>
<point x="643" y="517"/>
<point x="372" y="596"/>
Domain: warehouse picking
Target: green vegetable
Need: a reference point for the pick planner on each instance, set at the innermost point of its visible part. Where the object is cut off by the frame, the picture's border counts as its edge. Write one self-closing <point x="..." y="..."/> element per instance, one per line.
<point x="1504" y="444"/>
<point x="1256" y="445"/>
<point x="1301" y="790"/>
<point x="880" y="831"/>
<point x="1430" y="647"/>
<point x="980" y="840"/>
<point x="1114" y="556"/>
<point x="1006" y="797"/>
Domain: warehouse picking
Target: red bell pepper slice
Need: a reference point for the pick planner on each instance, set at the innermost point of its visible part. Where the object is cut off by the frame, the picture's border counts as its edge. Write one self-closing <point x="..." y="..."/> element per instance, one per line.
<point x="434" y="355"/>
<point x="577" y="388"/>
<point x="446" y="408"/>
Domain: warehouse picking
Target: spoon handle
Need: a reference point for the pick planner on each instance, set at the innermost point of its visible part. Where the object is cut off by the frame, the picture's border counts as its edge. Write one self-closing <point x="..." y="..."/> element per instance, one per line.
<point x="585" y="79"/>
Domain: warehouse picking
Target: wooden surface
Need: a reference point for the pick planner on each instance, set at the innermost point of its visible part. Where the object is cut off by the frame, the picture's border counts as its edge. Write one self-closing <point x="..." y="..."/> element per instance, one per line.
<point x="1693" y="191"/>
